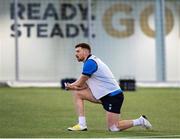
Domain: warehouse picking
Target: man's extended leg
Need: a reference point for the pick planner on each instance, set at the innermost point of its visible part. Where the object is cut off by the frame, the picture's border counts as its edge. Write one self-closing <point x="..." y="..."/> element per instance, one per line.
<point x="114" y="124"/>
<point x="79" y="97"/>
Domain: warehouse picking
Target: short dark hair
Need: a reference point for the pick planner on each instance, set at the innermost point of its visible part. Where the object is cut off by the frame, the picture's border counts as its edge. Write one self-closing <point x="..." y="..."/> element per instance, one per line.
<point x="84" y="45"/>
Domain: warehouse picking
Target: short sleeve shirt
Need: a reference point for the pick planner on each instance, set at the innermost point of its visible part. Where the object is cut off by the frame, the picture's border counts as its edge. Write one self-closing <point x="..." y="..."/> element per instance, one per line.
<point x="89" y="67"/>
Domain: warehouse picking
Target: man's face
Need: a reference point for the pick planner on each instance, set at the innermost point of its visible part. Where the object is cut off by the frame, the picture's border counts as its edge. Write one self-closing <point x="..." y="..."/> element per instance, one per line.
<point x="80" y="54"/>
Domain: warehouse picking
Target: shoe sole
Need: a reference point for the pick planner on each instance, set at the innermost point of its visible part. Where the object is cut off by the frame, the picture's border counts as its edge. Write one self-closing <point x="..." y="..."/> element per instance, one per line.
<point x="78" y="130"/>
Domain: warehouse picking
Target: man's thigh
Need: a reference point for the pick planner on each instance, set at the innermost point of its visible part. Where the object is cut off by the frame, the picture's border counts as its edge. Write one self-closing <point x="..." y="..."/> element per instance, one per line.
<point x="112" y="118"/>
<point x="112" y="105"/>
<point x="86" y="94"/>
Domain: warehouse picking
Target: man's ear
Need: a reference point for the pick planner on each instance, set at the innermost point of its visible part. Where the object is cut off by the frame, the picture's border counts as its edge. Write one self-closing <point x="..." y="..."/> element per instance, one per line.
<point x="86" y="52"/>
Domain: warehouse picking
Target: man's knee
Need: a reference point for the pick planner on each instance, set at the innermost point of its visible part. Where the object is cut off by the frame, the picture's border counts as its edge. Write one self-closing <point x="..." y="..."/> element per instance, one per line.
<point x="114" y="128"/>
<point x="77" y="94"/>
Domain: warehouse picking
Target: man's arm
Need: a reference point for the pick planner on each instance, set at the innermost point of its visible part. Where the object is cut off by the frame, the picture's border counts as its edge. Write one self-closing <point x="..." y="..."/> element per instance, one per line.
<point x="78" y="84"/>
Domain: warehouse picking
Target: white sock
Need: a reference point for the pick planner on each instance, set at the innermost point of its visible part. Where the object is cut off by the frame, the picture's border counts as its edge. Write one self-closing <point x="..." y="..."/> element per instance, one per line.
<point x="82" y="120"/>
<point x="137" y="122"/>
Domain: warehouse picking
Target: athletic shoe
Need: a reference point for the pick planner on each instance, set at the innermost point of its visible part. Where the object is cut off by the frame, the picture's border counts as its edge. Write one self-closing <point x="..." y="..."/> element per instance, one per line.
<point x="145" y="123"/>
<point x="78" y="127"/>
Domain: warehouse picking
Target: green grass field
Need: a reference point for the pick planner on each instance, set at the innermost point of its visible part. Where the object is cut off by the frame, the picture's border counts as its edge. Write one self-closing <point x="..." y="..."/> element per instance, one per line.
<point x="47" y="112"/>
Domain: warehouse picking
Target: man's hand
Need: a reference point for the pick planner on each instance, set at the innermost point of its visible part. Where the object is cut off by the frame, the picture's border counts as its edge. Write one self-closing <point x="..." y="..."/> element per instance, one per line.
<point x="79" y="84"/>
<point x="67" y="86"/>
<point x="72" y="86"/>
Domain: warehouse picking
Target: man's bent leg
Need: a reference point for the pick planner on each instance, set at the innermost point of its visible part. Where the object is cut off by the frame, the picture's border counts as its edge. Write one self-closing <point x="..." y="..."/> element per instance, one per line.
<point x="79" y="97"/>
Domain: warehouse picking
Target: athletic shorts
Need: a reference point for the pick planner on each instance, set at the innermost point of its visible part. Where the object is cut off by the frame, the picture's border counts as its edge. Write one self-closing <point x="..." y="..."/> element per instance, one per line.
<point x="113" y="103"/>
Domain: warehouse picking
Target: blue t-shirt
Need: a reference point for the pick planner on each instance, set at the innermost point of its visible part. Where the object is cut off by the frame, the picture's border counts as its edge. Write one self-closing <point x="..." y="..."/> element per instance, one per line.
<point x="90" y="66"/>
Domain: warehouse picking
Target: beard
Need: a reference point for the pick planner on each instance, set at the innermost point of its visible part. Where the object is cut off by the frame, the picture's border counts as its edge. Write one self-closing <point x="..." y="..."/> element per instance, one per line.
<point x="79" y="59"/>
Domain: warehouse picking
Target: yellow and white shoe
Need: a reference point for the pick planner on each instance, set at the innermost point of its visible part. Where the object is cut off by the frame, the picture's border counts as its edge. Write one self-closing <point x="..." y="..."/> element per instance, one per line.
<point x="78" y="127"/>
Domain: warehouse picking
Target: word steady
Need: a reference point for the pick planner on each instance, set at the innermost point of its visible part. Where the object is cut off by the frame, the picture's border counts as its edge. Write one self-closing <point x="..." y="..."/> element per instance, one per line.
<point x="63" y="18"/>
